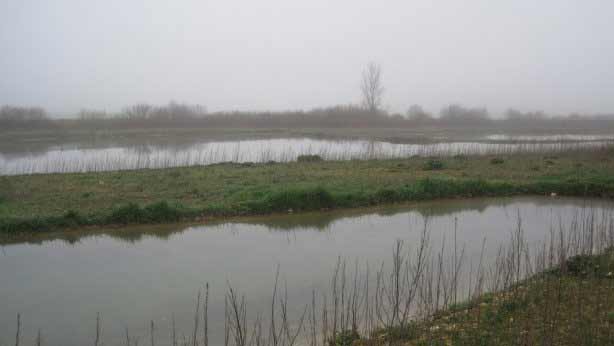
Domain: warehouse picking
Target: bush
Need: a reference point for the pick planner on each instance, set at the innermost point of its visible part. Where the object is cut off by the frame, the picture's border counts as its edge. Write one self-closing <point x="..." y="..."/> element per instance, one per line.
<point x="309" y="158"/>
<point x="433" y="165"/>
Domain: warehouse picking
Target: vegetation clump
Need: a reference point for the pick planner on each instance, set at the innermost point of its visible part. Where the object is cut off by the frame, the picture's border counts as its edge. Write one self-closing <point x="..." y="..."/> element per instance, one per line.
<point x="133" y="213"/>
<point x="497" y="161"/>
<point x="300" y="199"/>
<point x="591" y="266"/>
<point x="434" y="165"/>
<point x="345" y="338"/>
<point x="309" y="158"/>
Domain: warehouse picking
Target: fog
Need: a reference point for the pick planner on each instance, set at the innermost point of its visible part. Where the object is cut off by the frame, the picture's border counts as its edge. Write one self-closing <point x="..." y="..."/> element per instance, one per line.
<point x="64" y="55"/>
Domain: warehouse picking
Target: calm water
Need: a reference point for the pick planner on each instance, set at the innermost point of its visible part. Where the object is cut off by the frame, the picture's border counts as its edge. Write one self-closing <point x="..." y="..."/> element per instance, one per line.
<point x="549" y="138"/>
<point x="73" y="158"/>
<point x="59" y="283"/>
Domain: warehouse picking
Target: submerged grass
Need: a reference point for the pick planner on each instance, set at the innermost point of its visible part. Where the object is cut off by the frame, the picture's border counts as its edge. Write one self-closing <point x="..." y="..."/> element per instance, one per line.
<point x="55" y="201"/>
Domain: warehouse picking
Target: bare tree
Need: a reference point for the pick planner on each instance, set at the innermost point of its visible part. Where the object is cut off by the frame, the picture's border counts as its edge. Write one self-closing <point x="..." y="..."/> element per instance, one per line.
<point x="371" y="87"/>
<point x="138" y="111"/>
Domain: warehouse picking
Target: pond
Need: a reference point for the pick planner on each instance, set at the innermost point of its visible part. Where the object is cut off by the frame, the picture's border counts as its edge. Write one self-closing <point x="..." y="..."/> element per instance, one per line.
<point x="77" y="158"/>
<point x="58" y="282"/>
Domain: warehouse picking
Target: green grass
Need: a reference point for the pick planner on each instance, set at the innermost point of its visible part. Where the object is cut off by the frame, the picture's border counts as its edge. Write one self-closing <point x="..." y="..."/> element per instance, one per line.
<point x="55" y="201"/>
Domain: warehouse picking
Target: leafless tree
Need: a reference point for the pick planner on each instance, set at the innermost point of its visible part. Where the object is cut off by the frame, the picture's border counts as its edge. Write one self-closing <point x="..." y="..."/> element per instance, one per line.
<point x="138" y="111"/>
<point x="371" y="87"/>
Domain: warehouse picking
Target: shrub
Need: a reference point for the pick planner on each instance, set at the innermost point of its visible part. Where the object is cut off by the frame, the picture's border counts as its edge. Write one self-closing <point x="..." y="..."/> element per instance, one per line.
<point x="433" y="165"/>
<point x="309" y="158"/>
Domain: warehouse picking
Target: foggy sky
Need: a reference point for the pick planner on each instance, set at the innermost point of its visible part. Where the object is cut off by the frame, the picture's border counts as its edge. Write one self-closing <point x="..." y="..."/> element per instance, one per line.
<point x="551" y="55"/>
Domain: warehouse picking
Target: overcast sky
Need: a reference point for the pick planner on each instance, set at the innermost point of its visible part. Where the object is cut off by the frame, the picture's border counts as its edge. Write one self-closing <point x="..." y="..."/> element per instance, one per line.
<point x="551" y="55"/>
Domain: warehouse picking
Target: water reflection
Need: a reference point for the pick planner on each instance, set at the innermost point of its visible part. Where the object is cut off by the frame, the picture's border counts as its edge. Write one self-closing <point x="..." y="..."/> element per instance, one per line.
<point x="320" y="221"/>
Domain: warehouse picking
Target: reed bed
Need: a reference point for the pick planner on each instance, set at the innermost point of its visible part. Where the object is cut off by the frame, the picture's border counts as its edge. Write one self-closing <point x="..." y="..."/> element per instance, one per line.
<point x="422" y="289"/>
<point x="261" y="151"/>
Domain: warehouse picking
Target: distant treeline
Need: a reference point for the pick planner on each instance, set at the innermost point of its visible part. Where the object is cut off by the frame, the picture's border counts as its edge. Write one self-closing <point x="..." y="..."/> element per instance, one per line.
<point x="184" y="115"/>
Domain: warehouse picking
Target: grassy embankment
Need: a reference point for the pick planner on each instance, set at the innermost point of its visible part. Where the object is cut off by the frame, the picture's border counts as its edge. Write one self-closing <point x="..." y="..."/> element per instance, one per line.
<point x="55" y="201"/>
<point x="572" y="304"/>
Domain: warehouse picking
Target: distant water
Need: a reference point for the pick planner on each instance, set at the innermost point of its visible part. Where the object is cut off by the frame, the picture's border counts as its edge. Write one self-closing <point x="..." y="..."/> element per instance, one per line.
<point x="75" y="159"/>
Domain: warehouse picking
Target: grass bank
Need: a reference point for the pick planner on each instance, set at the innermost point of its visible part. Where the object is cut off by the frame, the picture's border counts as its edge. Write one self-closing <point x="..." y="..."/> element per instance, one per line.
<point x="572" y="304"/>
<point x="56" y="201"/>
